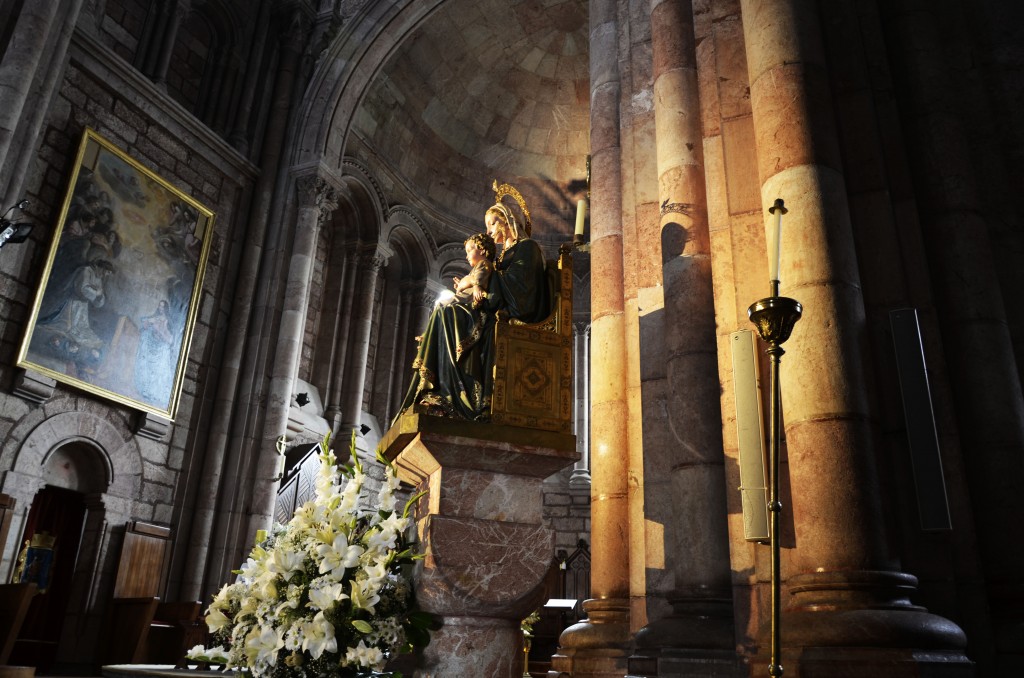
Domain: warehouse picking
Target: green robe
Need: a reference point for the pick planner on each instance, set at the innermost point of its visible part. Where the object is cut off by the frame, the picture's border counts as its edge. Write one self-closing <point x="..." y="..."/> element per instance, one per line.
<point x="453" y="373"/>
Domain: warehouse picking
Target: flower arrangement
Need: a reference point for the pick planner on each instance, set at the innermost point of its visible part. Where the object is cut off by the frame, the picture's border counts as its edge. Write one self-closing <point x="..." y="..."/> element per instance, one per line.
<point x="328" y="594"/>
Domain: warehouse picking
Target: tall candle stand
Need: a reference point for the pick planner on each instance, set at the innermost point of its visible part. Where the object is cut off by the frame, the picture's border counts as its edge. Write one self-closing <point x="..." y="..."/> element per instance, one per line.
<point x="774" y="318"/>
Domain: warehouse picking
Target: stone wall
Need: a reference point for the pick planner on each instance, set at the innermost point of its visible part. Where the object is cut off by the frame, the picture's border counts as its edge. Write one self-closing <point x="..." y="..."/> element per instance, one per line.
<point x="128" y="465"/>
<point x="567" y="512"/>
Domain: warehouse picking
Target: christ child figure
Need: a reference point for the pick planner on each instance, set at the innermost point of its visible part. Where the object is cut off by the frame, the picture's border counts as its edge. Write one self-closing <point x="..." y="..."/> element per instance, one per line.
<point x="480" y="252"/>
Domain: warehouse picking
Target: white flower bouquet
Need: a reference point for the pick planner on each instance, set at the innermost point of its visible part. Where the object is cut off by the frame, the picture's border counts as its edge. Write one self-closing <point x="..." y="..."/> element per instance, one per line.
<point x="328" y="594"/>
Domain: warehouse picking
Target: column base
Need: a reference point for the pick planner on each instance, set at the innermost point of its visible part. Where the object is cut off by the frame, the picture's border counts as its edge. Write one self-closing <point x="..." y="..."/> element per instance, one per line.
<point x="863" y="623"/>
<point x="671" y="663"/>
<point x="855" y="662"/>
<point x="597" y="647"/>
<point x="696" y="640"/>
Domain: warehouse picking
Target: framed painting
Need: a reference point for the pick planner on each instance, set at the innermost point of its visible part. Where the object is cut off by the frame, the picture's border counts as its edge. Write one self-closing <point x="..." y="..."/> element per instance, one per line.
<point x="117" y="304"/>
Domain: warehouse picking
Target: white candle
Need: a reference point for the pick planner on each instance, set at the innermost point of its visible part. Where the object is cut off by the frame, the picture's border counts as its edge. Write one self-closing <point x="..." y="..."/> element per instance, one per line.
<point x="775" y="244"/>
<point x="581" y="217"/>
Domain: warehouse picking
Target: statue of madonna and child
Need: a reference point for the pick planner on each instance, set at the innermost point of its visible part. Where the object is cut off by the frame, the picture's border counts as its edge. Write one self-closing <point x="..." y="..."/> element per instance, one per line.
<point x="453" y="369"/>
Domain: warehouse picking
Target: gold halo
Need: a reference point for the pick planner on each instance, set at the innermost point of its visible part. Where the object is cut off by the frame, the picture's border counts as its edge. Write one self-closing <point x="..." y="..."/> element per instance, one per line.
<point x="501" y="190"/>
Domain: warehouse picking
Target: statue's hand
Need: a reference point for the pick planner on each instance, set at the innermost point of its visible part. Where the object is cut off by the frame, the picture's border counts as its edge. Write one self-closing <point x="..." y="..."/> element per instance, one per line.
<point x="478" y="295"/>
<point x="456" y="280"/>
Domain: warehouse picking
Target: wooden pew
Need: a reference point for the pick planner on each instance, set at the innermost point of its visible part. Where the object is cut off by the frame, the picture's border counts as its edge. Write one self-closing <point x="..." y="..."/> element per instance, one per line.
<point x="128" y="629"/>
<point x="14" y="602"/>
<point x="175" y="628"/>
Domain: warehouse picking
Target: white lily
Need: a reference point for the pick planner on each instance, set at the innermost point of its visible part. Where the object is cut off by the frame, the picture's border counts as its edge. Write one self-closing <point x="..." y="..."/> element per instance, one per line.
<point x="377" y="540"/>
<point x="364" y="595"/>
<point x="216" y="619"/>
<point x="262" y="644"/>
<point x="286" y="562"/>
<point x="318" y="636"/>
<point x="322" y="597"/>
<point x="338" y="556"/>
<point x="366" y="657"/>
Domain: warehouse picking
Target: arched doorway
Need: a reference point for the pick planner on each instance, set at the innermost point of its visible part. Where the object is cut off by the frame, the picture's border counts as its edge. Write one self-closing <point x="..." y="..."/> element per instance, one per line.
<point x="50" y="544"/>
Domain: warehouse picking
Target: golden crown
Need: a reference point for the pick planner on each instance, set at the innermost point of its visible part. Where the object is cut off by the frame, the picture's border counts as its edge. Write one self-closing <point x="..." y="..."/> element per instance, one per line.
<point x="501" y="190"/>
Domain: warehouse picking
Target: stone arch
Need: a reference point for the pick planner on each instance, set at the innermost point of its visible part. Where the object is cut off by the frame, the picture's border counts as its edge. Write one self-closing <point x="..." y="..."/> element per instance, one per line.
<point x="407" y="236"/>
<point x="346" y="70"/>
<point x="451" y="261"/>
<point x="224" y="63"/>
<point x="26" y="455"/>
<point x="110" y="460"/>
<point x="360" y="213"/>
<point x="77" y="465"/>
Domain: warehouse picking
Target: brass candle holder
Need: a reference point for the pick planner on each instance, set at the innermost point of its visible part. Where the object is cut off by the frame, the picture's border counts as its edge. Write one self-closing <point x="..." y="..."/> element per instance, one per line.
<point x="774" y="318"/>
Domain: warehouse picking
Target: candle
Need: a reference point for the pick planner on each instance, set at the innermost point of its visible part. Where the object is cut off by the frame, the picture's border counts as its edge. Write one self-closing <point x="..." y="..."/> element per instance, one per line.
<point x="581" y="216"/>
<point x="775" y="244"/>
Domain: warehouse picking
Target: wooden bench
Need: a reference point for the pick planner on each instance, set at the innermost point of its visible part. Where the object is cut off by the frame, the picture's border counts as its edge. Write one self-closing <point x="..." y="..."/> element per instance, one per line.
<point x="143" y="630"/>
<point x="14" y="603"/>
<point x="175" y="628"/>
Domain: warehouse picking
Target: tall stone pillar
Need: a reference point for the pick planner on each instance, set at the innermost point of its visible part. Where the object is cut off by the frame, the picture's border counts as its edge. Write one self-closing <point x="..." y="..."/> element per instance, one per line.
<point x="317" y="200"/>
<point x="975" y="329"/>
<point x="849" y="608"/>
<point x="370" y="263"/>
<point x="581" y="372"/>
<point x="214" y="539"/>
<point x="423" y="296"/>
<point x="342" y="332"/>
<point x="600" y="644"/>
<point x="30" y="65"/>
<point x="239" y="134"/>
<point x="163" y="36"/>
<point x="400" y="372"/>
<point x="697" y="638"/>
<point x="20" y="60"/>
<point x="480" y="527"/>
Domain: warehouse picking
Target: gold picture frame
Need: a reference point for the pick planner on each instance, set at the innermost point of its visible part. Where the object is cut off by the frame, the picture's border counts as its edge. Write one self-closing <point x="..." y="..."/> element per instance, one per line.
<point x="117" y="305"/>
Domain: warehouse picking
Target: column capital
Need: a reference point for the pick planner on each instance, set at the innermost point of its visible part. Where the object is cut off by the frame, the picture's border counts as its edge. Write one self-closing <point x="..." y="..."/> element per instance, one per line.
<point x="375" y="257"/>
<point x="316" y="192"/>
<point x="431" y="291"/>
<point x="295" y="28"/>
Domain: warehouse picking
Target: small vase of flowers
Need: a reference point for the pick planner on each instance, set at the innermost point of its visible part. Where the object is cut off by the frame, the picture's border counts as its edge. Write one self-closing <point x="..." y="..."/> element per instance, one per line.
<point x="328" y="594"/>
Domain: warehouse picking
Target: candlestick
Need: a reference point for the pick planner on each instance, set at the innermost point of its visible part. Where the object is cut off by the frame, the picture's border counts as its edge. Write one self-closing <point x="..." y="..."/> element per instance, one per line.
<point x="775" y="245"/>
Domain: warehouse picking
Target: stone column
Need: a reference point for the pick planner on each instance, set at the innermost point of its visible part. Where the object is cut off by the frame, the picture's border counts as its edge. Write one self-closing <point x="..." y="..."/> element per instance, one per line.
<point x="239" y="135"/>
<point x="214" y="542"/>
<point x="599" y="645"/>
<point x="986" y="388"/>
<point x="480" y="526"/>
<point x="697" y="638"/>
<point x="317" y="199"/>
<point x="334" y="294"/>
<point x="422" y="297"/>
<point x="849" y="604"/>
<point x="581" y="356"/>
<point x="355" y="370"/>
<point x="18" y="67"/>
<point x="161" y="60"/>
<point x="341" y="337"/>
<point x="400" y="371"/>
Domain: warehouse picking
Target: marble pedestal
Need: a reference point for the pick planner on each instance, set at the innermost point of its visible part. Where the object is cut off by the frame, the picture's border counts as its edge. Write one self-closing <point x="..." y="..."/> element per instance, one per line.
<point x="480" y="528"/>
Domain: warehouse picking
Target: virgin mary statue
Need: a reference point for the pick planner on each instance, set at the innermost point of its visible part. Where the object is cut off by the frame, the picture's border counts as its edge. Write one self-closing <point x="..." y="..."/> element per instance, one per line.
<point x="454" y="365"/>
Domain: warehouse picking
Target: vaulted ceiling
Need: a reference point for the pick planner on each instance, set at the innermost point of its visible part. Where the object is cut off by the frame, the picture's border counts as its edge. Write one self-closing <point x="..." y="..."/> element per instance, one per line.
<point x="486" y="89"/>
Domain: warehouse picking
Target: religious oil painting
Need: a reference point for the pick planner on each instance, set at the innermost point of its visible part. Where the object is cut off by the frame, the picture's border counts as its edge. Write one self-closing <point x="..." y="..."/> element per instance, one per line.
<point x="118" y="300"/>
